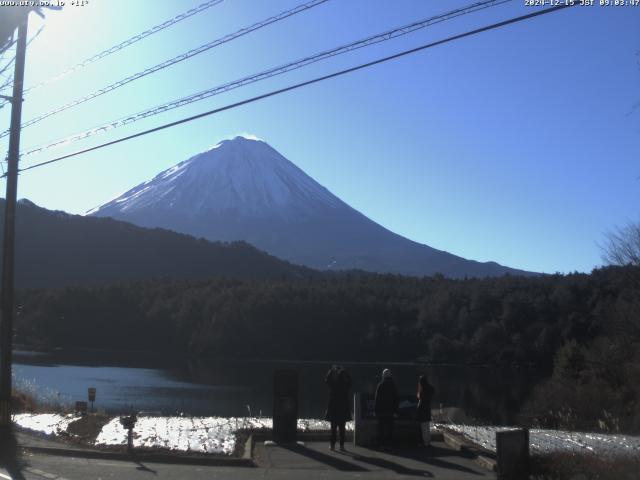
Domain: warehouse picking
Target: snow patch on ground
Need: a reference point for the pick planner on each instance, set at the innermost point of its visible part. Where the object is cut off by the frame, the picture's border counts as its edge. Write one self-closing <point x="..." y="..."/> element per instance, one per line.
<point x="547" y="441"/>
<point x="45" y="423"/>
<point x="218" y="434"/>
<point x="187" y="434"/>
<point x="194" y="434"/>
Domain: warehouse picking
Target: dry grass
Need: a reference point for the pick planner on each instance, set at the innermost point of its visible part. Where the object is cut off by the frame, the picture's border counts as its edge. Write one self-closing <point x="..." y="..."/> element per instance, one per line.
<point x="23" y="402"/>
<point x="87" y="428"/>
<point x="584" y="466"/>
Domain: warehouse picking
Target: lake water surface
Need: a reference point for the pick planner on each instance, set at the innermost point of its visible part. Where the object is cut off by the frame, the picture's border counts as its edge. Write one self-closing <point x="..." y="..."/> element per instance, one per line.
<point x="131" y="382"/>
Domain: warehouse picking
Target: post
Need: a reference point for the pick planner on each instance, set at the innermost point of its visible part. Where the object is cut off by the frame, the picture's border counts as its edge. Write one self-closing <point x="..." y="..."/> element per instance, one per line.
<point x="129" y="423"/>
<point x="92" y="396"/>
<point x="512" y="454"/>
<point x="285" y="406"/>
<point x="6" y="299"/>
<point x="364" y="419"/>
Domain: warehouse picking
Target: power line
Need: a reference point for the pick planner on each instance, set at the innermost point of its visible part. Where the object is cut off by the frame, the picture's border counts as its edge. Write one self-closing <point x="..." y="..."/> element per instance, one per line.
<point x="7" y="65"/>
<point x="306" y="83"/>
<point x="7" y="80"/>
<point x="130" y="41"/>
<point x="9" y="76"/>
<point x="172" y="61"/>
<point x="294" y="65"/>
<point x="10" y="62"/>
<point x="10" y="43"/>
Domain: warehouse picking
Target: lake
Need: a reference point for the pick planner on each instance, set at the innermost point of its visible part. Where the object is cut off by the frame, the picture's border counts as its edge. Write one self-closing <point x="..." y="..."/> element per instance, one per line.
<point x="128" y="382"/>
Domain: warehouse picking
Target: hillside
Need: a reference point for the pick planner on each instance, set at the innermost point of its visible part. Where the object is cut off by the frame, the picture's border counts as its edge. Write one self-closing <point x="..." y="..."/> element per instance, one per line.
<point x="56" y="249"/>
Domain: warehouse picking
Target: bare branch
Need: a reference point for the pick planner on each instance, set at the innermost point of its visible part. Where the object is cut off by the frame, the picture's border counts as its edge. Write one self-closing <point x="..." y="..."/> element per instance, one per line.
<point x="622" y="245"/>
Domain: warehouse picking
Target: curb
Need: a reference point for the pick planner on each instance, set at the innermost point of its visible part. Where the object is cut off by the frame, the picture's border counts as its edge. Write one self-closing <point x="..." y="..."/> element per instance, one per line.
<point x="248" y="450"/>
<point x="462" y="445"/>
<point x="311" y="436"/>
<point x="486" y="462"/>
<point x="453" y="441"/>
<point x="143" y="456"/>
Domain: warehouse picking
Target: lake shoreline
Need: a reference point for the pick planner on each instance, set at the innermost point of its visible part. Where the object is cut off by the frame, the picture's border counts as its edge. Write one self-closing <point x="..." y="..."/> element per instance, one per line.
<point x="25" y="349"/>
<point x="232" y="387"/>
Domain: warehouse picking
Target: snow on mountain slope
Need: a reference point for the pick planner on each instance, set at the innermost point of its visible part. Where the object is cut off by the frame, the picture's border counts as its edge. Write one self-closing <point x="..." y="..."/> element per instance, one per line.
<point x="243" y="189"/>
<point x="241" y="175"/>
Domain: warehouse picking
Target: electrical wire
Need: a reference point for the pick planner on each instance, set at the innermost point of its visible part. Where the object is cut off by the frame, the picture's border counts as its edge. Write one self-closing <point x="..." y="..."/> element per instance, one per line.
<point x="126" y="43"/>
<point x="8" y="76"/>
<point x="10" y="43"/>
<point x="7" y="65"/>
<point x="306" y="83"/>
<point x="172" y="61"/>
<point x="294" y="65"/>
<point x="10" y="62"/>
<point x="5" y="83"/>
<point x="8" y="80"/>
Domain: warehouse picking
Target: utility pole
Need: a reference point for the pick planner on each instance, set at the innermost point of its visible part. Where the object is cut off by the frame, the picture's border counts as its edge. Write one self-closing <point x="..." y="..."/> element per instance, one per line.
<point x="6" y="299"/>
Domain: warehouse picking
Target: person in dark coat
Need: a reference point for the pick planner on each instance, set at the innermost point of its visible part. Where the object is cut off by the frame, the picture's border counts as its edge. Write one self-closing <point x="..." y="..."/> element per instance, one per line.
<point x="386" y="407"/>
<point x="338" y="408"/>
<point x="423" y="413"/>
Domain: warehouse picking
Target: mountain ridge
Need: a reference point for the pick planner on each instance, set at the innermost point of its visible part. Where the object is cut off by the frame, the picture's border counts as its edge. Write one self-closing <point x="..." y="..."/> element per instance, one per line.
<point x="57" y="249"/>
<point x="243" y="189"/>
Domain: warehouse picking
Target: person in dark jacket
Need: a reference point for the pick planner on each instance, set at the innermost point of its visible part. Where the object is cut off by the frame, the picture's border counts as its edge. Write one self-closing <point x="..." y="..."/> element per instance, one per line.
<point x="423" y="413"/>
<point x="338" y="408"/>
<point x="386" y="407"/>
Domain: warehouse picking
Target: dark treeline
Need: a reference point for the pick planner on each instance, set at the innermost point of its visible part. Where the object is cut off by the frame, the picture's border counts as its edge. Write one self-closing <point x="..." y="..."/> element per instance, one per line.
<point x="54" y="248"/>
<point x="595" y="384"/>
<point x="506" y="321"/>
<point x="581" y="330"/>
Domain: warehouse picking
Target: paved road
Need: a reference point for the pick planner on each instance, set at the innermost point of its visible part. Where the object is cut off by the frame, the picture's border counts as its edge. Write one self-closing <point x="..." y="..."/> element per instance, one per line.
<point x="314" y="460"/>
<point x="49" y="467"/>
<point x="311" y="462"/>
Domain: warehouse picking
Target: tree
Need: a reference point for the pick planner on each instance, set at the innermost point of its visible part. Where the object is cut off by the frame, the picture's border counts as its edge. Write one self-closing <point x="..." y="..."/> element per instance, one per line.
<point x="622" y="245"/>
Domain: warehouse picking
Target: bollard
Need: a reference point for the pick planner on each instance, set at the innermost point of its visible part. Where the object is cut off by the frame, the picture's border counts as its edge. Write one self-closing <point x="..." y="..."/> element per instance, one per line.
<point x="512" y="454"/>
<point x="285" y="406"/>
<point x="128" y="423"/>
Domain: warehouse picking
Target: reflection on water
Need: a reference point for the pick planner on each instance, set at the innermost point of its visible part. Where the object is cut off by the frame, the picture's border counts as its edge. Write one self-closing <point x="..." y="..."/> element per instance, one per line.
<point x="127" y="382"/>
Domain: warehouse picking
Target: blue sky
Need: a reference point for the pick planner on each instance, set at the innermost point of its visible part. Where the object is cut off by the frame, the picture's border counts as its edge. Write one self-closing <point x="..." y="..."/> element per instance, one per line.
<point x="518" y="145"/>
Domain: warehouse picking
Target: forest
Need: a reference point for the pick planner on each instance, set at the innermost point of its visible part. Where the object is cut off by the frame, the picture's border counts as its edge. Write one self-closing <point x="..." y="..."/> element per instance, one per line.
<point x="582" y="330"/>
<point x="505" y="321"/>
<point x="55" y="249"/>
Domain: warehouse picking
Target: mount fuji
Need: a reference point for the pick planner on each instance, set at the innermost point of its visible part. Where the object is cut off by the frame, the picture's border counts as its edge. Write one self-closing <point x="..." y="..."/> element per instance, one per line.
<point x="243" y="189"/>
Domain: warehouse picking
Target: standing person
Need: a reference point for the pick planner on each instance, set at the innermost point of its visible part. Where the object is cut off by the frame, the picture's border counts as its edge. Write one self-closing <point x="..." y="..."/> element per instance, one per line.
<point x="423" y="414"/>
<point x="338" y="409"/>
<point x="386" y="407"/>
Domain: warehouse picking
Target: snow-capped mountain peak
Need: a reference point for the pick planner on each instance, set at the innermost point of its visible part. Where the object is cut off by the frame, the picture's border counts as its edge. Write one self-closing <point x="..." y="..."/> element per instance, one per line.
<point x="243" y="189"/>
<point x="240" y="174"/>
